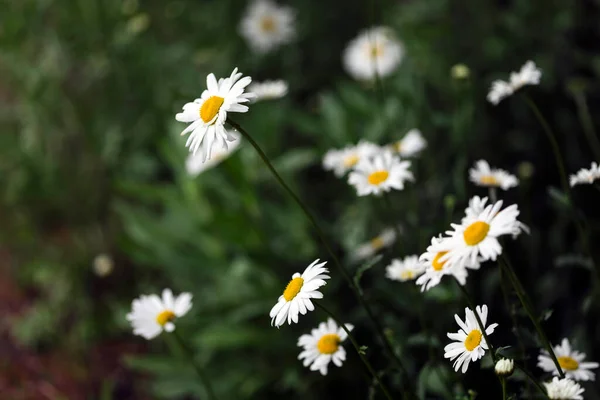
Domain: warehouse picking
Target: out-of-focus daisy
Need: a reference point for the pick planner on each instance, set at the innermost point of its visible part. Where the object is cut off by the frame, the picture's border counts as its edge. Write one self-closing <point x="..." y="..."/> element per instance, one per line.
<point x="323" y="345"/>
<point x="563" y="389"/>
<point x="586" y="176"/>
<point x="504" y="367"/>
<point x="411" y="144"/>
<point x="268" y="90"/>
<point x="150" y="315"/>
<point x="375" y="52"/>
<point x="297" y="294"/>
<point x="405" y="270"/>
<point x="571" y="362"/>
<point x="207" y="115"/>
<point x="380" y="173"/>
<point x="195" y="163"/>
<point x="528" y="75"/>
<point x="470" y="344"/>
<point x="267" y="25"/>
<point x="499" y="91"/>
<point x="343" y="160"/>
<point x="483" y="175"/>
<point x="370" y="248"/>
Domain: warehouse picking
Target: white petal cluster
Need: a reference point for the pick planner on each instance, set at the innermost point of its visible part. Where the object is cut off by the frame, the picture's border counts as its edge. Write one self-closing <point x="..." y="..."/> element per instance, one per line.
<point x="564" y="389"/>
<point x="380" y="173"/>
<point x="504" y="367"/>
<point x="323" y="345"/>
<point x="571" y="361"/>
<point x="411" y="144"/>
<point x="195" y="163"/>
<point x="407" y="269"/>
<point x="528" y="75"/>
<point x="483" y="175"/>
<point x="269" y="90"/>
<point x="343" y="160"/>
<point x="586" y="176"/>
<point x="267" y="25"/>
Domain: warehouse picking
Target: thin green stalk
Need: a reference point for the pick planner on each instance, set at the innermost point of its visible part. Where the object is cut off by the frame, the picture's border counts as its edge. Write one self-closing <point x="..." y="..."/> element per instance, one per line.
<point x="190" y="356"/>
<point x="493" y="194"/>
<point x="533" y="380"/>
<point x="336" y="261"/>
<point x="503" y="380"/>
<point x="586" y="122"/>
<point x="505" y="264"/>
<point x="357" y="348"/>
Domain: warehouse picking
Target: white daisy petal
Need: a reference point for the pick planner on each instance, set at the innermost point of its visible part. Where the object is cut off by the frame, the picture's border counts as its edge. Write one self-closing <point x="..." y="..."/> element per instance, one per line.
<point x="570" y="361"/>
<point x="380" y="173"/>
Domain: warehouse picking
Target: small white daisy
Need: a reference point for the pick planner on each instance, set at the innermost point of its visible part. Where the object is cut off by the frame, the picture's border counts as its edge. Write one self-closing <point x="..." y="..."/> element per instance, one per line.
<point x="380" y="173"/>
<point x="504" y="367"/>
<point x="564" y="389"/>
<point x="528" y="75"/>
<point x="370" y="248"/>
<point x="375" y="52"/>
<point x="297" y="294"/>
<point x="207" y="115"/>
<point x="586" y="176"/>
<point x="477" y="205"/>
<point x="499" y="91"/>
<point x="267" y="25"/>
<point x="195" y="163"/>
<point x="323" y="345"/>
<point x="150" y="315"/>
<point x="411" y="144"/>
<point x="470" y="344"/>
<point x="404" y="270"/>
<point x="483" y="175"/>
<point x="268" y="90"/>
<point x="343" y="160"/>
<point x="571" y="362"/>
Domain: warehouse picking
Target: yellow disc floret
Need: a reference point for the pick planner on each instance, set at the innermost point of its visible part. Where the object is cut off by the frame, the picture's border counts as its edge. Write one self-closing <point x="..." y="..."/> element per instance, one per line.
<point x="210" y="108"/>
<point x="293" y="288"/>
<point x="476" y="232"/>
<point x="329" y="344"/>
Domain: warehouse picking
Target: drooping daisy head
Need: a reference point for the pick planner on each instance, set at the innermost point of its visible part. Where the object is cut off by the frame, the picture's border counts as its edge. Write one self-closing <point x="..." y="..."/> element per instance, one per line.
<point x="296" y="297"/>
<point x="564" y="389"/>
<point x="586" y="176"/>
<point x="343" y="160"/>
<point x="370" y="248"/>
<point x="571" y="362"/>
<point x="323" y="345"/>
<point x="469" y="343"/>
<point x="374" y="53"/>
<point x="207" y="115"/>
<point x="504" y="367"/>
<point x="483" y="175"/>
<point x="380" y="173"/>
<point x="499" y="91"/>
<point x="195" y="163"/>
<point x="411" y="144"/>
<point x="528" y="75"/>
<point x="267" y="25"/>
<point x="404" y="270"/>
<point x="269" y="90"/>
<point x="150" y="315"/>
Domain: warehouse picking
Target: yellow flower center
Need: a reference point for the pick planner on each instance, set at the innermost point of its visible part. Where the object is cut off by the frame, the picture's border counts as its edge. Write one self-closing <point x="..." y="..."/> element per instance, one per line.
<point x="489" y="180"/>
<point x="476" y="232"/>
<point x="436" y="263"/>
<point x="397" y="146"/>
<point x="210" y="108"/>
<point x="568" y="363"/>
<point x="293" y="288"/>
<point x="377" y="243"/>
<point x="267" y="24"/>
<point x="473" y="340"/>
<point x="376" y="50"/>
<point x="407" y="274"/>
<point x="378" y="177"/>
<point x="328" y="344"/>
<point x="350" y="160"/>
<point x="164" y="317"/>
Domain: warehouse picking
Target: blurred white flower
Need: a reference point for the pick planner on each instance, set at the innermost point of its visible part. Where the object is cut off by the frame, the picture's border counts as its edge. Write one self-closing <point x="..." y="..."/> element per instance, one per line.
<point x="343" y="160"/>
<point x="268" y="90"/>
<point x="404" y="270"/>
<point x="563" y="389"/>
<point x="470" y="344"/>
<point x="499" y="91"/>
<point x="375" y="52"/>
<point x="504" y="367"/>
<point x="411" y="144"/>
<point x="483" y="175"/>
<point x="586" y="176"/>
<point x="207" y="115"/>
<point x="528" y="75"/>
<point x="323" y="345"/>
<point x="150" y="315"/>
<point x="436" y="266"/>
<point x="297" y="294"/>
<point x="103" y="265"/>
<point x="195" y="163"/>
<point x="380" y="173"/>
<point x="267" y="25"/>
<point x="571" y="362"/>
<point x="370" y="248"/>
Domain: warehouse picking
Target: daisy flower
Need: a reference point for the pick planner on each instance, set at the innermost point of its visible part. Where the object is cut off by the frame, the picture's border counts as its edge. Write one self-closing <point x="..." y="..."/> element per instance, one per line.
<point x="477" y="205"/>
<point x="483" y="175"/>
<point x="370" y="248"/>
<point x="380" y="173"/>
<point x="586" y="176"/>
<point x="563" y="389"/>
<point x="207" y="115"/>
<point x="266" y="25"/>
<point x="374" y="53"/>
<point x="571" y="362"/>
<point x="195" y="163"/>
<point x="470" y="344"/>
<point x="343" y="160"/>
<point x="150" y="315"/>
<point x="405" y="270"/>
<point x="297" y="294"/>
<point x="411" y="144"/>
<point x="528" y="75"/>
<point x="323" y="345"/>
<point x="504" y="367"/>
<point x="499" y="91"/>
<point x="268" y="90"/>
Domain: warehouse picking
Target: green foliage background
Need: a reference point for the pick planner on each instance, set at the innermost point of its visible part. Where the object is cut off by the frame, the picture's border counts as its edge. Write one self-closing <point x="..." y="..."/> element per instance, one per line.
<point x="91" y="162"/>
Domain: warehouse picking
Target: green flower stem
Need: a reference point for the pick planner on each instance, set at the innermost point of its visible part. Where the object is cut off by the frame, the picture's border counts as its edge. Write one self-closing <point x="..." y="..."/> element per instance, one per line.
<point x="533" y="380"/>
<point x="503" y="380"/>
<point x="190" y="356"/>
<point x="505" y="264"/>
<point x="358" y="350"/>
<point x="493" y="194"/>
<point x="345" y="274"/>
